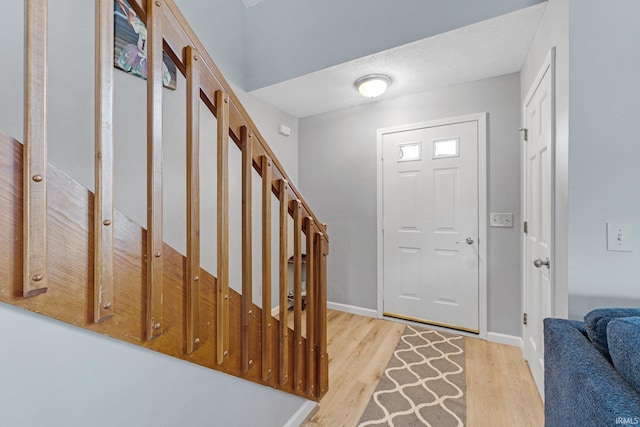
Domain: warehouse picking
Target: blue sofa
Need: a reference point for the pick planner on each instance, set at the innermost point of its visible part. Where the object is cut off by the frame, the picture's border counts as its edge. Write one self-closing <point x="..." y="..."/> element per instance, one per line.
<point x="592" y="370"/>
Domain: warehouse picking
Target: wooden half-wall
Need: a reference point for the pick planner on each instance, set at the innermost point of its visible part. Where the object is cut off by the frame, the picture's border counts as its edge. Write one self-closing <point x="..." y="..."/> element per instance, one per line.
<point x="69" y="297"/>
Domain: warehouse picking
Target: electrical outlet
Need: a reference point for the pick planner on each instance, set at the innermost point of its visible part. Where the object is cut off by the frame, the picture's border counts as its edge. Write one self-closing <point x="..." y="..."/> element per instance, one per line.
<point x="619" y="237"/>
<point x="501" y="220"/>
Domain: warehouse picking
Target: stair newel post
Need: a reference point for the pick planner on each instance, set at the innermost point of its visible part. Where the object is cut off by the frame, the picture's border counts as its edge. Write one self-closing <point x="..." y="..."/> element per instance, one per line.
<point x="310" y="304"/>
<point x="222" y="283"/>
<point x="322" y="251"/>
<point x="155" y="271"/>
<point x="35" y="279"/>
<point x="283" y="263"/>
<point x="298" y="348"/>
<point x="246" y="301"/>
<point x="267" y="320"/>
<point x="103" y="292"/>
<point x="192" y="278"/>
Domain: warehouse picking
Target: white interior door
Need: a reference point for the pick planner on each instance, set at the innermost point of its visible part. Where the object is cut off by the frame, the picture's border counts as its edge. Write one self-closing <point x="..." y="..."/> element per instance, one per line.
<point x="538" y="246"/>
<point x="430" y="225"/>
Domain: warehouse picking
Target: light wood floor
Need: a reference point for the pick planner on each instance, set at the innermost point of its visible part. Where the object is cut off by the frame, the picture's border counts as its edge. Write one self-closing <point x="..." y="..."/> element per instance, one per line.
<point x="500" y="388"/>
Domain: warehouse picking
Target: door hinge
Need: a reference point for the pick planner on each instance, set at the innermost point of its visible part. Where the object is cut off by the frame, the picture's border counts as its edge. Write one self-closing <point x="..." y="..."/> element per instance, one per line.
<point x="526" y="227"/>
<point x="524" y="318"/>
<point x="526" y="133"/>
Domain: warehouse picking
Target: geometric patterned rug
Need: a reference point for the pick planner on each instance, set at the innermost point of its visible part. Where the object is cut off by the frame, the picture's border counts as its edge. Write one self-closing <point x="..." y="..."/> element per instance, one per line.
<point x="423" y="384"/>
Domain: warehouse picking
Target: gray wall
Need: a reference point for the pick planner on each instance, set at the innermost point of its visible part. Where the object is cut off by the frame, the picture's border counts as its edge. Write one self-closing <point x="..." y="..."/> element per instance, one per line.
<point x="290" y="38"/>
<point x="56" y="375"/>
<point x="71" y="149"/>
<point x="338" y="176"/>
<point x="554" y="32"/>
<point x="604" y="152"/>
<point x="220" y="25"/>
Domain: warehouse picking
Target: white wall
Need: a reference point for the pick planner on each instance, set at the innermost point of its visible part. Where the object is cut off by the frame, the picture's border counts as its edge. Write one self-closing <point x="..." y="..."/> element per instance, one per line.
<point x="604" y="152"/>
<point x="338" y="177"/>
<point x="554" y="32"/>
<point x="71" y="150"/>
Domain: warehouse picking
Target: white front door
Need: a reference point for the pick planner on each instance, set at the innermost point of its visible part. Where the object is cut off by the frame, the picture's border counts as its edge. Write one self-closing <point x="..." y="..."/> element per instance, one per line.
<point x="430" y="225"/>
<point x="538" y="188"/>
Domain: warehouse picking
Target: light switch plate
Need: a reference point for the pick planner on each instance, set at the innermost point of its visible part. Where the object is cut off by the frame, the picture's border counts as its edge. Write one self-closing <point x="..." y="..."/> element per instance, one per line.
<point x="284" y="130"/>
<point x="619" y="237"/>
<point x="501" y="219"/>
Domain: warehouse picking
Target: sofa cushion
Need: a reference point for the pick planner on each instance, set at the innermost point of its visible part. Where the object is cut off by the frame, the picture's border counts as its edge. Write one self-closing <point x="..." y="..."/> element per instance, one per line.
<point x="624" y="346"/>
<point x="596" y="323"/>
<point x="581" y="387"/>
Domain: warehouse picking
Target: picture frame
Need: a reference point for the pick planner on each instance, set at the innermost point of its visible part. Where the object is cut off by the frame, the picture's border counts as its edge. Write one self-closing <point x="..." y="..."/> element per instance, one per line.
<point x="130" y="45"/>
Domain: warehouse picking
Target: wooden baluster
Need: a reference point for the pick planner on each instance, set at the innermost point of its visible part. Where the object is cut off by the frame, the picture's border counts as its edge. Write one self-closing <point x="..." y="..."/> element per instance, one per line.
<point x="283" y="190"/>
<point x="322" y="250"/>
<point x="103" y="200"/>
<point x="35" y="278"/>
<point x="310" y="303"/>
<point x="222" y="291"/>
<point x="267" y="321"/>
<point x="192" y="278"/>
<point x="298" y="350"/>
<point x="247" y="259"/>
<point x="155" y="271"/>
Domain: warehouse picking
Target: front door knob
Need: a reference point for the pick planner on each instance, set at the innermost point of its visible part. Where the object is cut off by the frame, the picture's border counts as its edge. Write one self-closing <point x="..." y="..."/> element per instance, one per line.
<point x="468" y="241"/>
<point x="539" y="263"/>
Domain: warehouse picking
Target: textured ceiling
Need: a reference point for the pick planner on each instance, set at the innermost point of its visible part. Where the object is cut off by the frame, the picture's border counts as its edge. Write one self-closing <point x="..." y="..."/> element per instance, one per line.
<point x="487" y="49"/>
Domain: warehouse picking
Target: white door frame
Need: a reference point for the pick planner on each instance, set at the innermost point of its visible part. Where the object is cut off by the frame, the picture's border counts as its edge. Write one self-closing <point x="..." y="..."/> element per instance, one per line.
<point x="481" y="119"/>
<point x="549" y="64"/>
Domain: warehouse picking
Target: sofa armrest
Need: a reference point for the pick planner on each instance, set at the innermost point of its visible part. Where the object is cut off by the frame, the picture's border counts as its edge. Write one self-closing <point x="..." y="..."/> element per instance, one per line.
<point x="596" y="322"/>
<point x="581" y="387"/>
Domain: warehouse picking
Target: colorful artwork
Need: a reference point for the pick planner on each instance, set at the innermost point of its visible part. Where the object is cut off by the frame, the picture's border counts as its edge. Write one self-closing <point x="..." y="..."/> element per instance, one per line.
<point x="130" y="53"/>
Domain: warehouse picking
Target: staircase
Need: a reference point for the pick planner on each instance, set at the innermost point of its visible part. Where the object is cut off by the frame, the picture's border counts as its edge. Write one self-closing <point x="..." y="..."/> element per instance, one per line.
<point x="68" y="254"/>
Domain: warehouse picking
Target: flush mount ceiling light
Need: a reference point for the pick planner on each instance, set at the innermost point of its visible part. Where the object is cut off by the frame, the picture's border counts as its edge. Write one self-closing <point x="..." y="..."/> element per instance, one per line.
<point x="373" y="85"/>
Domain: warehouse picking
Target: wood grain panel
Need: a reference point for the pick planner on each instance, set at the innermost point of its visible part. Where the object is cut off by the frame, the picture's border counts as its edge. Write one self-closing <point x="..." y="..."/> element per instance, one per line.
<point x="167" y="29"/>
<point x="267" y="336"/>
<point x="311" y="301"/>
<point x="322" y="251"/>
<point x="247" y="245"/>
<point x="69" y="298"/>
<point x="192" y="284"/>
<point x="155" y="288"/>
<point x="35" y="277"/>
<point x="222" y="291"/>
<point x="283" y="265"/>
<point x="103" y="210"/>
<point x="298" y="353"/>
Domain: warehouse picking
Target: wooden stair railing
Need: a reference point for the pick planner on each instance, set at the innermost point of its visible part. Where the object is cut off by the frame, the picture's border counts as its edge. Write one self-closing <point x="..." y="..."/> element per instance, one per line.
<point x="245" y="340"/>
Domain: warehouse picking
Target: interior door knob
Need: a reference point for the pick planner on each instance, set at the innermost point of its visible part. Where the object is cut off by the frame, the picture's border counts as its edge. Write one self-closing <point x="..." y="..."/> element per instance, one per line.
<point x="539" y="263"/>
<point x="468" y="241"/>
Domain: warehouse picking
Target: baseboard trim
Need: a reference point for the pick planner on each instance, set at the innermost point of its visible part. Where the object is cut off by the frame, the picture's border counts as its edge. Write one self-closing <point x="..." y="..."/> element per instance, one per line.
<point x="352" y="309"/>
<point x="505" y="339"/>
<point x="275" y="311"/>
<point x="301" y="414"/>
